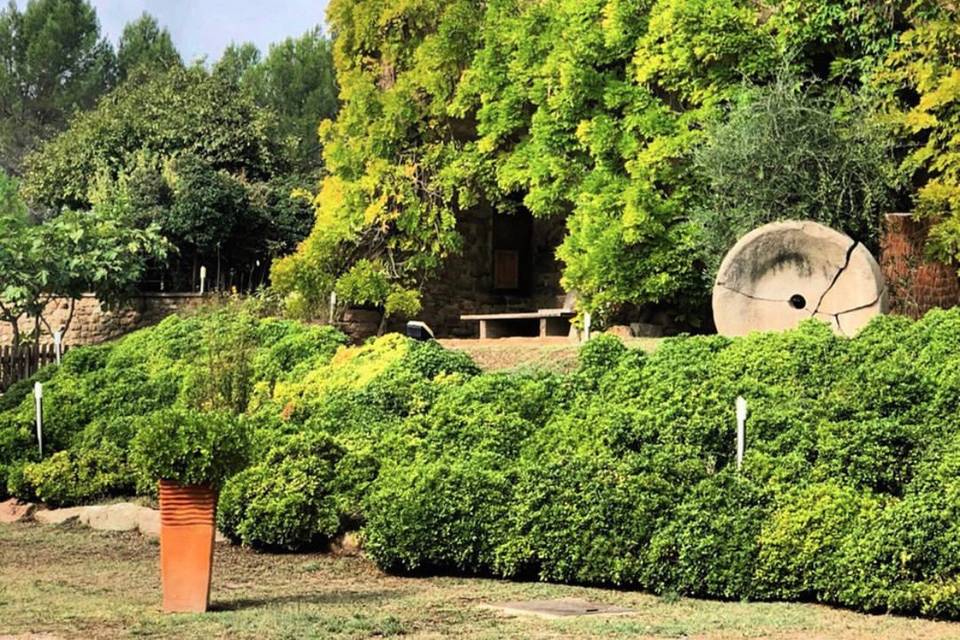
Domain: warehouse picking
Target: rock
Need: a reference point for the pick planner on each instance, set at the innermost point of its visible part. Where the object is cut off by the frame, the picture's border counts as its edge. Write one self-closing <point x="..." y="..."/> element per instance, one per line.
<point x="786" y="272"/>
<point x="347" y="544"/>
<point x="114" y="517"/>
<point x="622" y="331"/>
<point x="57" y="516"/>
<point x="148" y="523"/>
<point x="14" y="510"/>
<point x="646" y="330"/>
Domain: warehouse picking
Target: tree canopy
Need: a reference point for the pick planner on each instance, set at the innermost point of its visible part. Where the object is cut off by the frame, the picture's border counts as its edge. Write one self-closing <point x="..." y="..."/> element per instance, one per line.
<point x="146" y="47"/>
<point x="53" y="62"/>
<point x="98" y="251"/>
<point x="296" y="81"/>
<point x="191" y="153"/>
<point x="595" y="111"/>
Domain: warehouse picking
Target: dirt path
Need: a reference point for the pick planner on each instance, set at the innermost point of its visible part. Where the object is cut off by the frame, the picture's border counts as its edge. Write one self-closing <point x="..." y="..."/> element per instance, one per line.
<point x="552" y="354"/>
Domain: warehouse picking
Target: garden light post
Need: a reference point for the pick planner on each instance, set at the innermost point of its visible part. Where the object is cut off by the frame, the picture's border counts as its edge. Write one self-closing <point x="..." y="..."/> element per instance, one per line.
<point x="58" y="344"/>
<point x="741" y="429"/>
<point x="38" y="398"/>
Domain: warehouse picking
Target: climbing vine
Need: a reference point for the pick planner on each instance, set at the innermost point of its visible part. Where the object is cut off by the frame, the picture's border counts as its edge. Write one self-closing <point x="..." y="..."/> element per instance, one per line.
<point x="592" y="111"/>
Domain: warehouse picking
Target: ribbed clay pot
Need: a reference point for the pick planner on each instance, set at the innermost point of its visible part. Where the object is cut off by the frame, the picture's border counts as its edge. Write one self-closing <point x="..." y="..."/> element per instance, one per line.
<point x="187" y="530"/>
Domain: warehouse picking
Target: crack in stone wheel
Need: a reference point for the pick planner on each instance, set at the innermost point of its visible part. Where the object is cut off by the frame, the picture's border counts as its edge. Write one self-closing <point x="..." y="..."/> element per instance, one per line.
<point x="785" y="272"/>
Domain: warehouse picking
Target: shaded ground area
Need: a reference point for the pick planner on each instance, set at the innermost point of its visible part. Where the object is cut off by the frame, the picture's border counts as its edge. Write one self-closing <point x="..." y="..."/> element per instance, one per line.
<point x="552" y="354"/>
<point x="62" y="582"/>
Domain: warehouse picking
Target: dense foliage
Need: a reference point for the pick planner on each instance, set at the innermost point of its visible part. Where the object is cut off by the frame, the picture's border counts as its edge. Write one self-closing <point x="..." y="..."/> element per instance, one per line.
<point x="145" y="48"/>
<point x="620" y="117"/>
<point x="220" y="159"/>
<point x="189" y="152"/>
<point x="621" y="472"/>
<point x="101" y="251"/>
<point x="785" y="152"/>
<point x="53" y="61"/>
<point x="190" y="447"/>
<point x="295" y="80"/>
<point x="926" y="67"/>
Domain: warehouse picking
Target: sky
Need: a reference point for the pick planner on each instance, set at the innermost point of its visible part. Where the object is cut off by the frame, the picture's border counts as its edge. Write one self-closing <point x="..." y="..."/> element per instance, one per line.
<point x="205" y="27"/>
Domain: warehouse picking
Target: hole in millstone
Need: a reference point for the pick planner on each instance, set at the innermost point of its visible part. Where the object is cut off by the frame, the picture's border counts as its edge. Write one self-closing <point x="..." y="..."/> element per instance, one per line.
<point x="797" y="301"/>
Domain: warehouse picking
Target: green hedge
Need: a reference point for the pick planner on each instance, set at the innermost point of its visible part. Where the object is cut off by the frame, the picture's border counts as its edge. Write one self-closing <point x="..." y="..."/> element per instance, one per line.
<point x="626" y="476"/>
<point x="619" y="473"/>
<point x="286" y="499"/>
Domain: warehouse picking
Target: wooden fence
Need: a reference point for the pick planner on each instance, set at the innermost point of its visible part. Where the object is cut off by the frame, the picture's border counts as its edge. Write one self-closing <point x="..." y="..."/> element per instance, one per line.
<point x="20" y="364"/>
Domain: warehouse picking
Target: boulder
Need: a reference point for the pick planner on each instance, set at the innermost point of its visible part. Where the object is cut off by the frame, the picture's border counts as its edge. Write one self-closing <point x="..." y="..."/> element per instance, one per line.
<point x="123" y="516"/>
<point x="14" y="510"/>
<point x="57" y="516"/>
<point x="148" y="523"/>
<point x="622" y="331"/>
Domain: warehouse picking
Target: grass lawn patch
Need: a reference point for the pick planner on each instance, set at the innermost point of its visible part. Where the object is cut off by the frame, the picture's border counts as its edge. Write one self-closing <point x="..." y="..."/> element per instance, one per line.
<point x="71" y="582"/>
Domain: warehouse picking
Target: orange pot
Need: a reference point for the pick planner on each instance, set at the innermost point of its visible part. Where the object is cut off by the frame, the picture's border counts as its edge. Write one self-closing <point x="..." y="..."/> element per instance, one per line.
<point x="187" y="528"/>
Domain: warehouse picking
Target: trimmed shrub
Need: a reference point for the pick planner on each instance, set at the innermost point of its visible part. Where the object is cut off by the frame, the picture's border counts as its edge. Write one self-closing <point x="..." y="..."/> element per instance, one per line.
<point x="69" y="478"/>
<point x="447" y="515"/>
<point x="287" y="500"/>
<point x="622" y="472"/>
<point x="583" y="515"/>
<point x="801" y="544"/>
<point x="190" y="447"/>
<point x="710" y="547"/>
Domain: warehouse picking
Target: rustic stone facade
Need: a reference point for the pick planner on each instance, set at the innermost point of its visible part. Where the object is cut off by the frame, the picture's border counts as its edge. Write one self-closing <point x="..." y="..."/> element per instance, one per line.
<point x="465" y="284"/>
<point x="92" y="324"/>
<point x="915" y="283"/>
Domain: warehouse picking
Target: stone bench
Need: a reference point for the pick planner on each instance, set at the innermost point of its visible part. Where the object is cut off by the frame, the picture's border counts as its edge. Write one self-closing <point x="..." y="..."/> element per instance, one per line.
<point x="542" y="323"/>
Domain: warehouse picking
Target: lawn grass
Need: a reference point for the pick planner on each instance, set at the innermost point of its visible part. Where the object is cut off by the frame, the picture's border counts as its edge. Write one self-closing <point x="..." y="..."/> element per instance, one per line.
<point x="71" y="582"/>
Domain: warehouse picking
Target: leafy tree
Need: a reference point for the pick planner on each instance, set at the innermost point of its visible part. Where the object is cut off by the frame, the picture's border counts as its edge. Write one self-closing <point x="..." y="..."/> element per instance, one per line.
<point x="97" y="251"/>
<point x="144" y="45"/>
<point x="192" y="154"/>
<point x="296" y="81"/>
<point x="384" y="214"/>
<point x="53" y="61"/>
<point x="921" y="83"/>
<point x="181" y="110"/>
<point x="785" y="152"/>
<point x="237" y="60"/>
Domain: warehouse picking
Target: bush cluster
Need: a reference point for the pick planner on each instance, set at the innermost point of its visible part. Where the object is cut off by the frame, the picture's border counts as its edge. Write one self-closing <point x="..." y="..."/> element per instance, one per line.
<point x="101" y="397"/>
<point x="621" y="472"/>
<point x="624" y="474"/>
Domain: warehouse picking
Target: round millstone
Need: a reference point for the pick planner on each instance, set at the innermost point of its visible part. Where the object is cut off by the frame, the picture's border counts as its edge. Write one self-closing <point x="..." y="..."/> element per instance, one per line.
<point x="786" y="272"/>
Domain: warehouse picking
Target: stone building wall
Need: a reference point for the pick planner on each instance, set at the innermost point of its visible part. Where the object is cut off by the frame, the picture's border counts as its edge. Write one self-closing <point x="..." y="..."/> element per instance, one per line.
<point x="915" y="283"/>
<point x="92" y="324"/>
<point x="464" y="285"/>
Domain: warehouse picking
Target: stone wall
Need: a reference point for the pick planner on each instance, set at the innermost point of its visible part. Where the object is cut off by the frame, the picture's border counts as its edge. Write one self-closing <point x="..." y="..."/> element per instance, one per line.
<point x="91" y="324"/>
<point x="915" y="283"/>
<point x="465" y="283"/>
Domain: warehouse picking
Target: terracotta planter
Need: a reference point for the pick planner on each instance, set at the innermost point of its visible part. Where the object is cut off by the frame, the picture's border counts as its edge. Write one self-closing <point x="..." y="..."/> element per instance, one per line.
<point x="187" y="529"/>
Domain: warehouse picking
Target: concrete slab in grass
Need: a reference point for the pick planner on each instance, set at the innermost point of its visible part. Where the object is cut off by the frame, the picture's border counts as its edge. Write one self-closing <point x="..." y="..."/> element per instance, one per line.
<point x="560" y="608"/>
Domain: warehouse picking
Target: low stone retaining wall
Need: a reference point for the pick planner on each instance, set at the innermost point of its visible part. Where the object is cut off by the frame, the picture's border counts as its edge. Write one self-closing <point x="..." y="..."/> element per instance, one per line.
<point x="126" y="516"/>
<point x="92" y="324"/>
